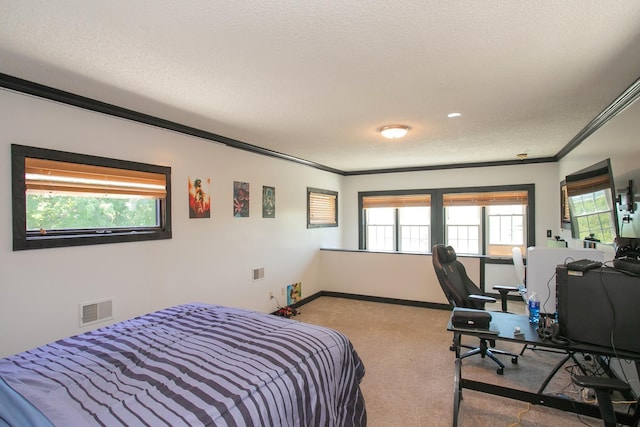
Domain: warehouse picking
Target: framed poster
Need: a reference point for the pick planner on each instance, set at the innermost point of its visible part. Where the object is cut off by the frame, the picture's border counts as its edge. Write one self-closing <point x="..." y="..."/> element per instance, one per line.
<point x="294" y="293"/>
<point x="199" y="198"/>
<point x="241" y="199"/>
<point x="268" y="202"/>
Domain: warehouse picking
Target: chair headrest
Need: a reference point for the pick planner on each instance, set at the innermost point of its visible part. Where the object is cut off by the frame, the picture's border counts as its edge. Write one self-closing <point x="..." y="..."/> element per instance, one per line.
<point x="446" y="254"/>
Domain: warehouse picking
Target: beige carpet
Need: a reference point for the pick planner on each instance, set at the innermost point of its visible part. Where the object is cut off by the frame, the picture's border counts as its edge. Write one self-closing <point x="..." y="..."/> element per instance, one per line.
<point x="409" y="378"/>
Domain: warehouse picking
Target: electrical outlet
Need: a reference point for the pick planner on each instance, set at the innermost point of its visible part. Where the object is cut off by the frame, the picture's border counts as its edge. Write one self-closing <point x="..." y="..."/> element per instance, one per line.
<point x="281" y="292"/>
<point x="270" y="295"/>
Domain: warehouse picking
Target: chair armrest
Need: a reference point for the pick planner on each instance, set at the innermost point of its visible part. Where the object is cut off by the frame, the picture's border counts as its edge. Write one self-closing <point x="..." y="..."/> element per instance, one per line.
<point x="600" y="383"/>
<point x="481" y="298"/>
<point x="506" y="288"/>
<point x="603" y="387"/>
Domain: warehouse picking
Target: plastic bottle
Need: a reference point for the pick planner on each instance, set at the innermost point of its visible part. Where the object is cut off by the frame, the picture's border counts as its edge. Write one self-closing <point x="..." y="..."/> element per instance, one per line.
<point x="534" y="309"/>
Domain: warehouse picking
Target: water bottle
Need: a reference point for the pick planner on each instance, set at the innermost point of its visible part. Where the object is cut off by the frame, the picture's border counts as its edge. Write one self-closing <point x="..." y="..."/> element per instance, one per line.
<point x="534" y="309"/>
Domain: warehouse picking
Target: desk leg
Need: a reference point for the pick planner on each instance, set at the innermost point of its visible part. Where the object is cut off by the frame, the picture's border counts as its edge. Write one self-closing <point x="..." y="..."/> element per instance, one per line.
<point x="636" y="407"/>
<point x="570" y="355"/>
<point x="457" y="391"/>
<point x="457" y="340"/>
<point x="555" y="369"/>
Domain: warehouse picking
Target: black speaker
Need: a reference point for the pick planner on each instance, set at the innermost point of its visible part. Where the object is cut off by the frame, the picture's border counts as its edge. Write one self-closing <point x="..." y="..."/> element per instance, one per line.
<point x="627" y="247"/>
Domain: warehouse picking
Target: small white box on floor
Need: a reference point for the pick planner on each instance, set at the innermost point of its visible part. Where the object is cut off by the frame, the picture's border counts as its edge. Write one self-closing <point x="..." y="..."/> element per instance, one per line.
<point x="541" y="271"/>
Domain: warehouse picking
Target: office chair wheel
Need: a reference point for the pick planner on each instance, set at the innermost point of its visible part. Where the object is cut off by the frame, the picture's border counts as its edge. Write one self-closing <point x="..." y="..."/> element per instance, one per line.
<point x="500" y="371"/>
<point x="514" y="360"/>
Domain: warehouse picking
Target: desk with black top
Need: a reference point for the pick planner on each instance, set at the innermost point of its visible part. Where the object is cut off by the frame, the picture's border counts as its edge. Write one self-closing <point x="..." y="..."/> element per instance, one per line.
<point x="503" y="326"/>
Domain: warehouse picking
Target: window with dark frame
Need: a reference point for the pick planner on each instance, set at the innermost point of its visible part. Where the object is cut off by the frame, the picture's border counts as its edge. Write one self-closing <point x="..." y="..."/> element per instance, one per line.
<point x="486" y="222"/>
<point x="322" y="208"/>
<point x="68" y="199"/>
<point x="480" y="220"/>
<point x="397" y="222"/>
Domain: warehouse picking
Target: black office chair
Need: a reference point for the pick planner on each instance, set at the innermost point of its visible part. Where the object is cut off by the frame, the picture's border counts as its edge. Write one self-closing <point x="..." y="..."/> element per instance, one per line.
<point x="462" y="292"/>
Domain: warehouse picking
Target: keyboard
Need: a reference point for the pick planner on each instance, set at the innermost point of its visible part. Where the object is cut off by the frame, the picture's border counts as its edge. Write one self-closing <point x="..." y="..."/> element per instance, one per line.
<point x="583" y="265"/>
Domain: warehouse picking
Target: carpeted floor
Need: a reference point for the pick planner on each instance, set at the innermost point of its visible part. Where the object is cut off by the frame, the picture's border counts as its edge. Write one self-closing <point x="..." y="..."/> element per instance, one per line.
<point x="409" y="378"/>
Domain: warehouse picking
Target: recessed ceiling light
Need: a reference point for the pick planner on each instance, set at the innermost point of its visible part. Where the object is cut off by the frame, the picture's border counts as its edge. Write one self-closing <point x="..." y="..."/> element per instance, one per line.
<point x="452" y="115"/>
<point x="394" y="131"/>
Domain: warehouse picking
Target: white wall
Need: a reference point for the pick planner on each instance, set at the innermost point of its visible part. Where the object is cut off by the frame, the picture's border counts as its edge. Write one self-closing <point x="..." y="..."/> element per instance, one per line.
<point x="407" y="283"/>
<point x="618" y="140"/>
<point x="208" y="260"/>
<point x="387" y="275"/>
<point x="211" y="260"/>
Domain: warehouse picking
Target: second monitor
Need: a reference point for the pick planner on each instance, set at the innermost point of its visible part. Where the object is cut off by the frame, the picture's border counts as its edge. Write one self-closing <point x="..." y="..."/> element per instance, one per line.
<point x="541" y="269"/>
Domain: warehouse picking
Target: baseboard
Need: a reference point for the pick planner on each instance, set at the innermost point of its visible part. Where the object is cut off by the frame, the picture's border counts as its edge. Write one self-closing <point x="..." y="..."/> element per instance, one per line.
<point x="370" y="298"/>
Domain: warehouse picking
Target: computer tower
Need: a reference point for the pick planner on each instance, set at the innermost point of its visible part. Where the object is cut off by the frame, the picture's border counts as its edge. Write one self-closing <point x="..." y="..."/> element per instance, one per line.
<point x="599" y="307"/>
<point x="541" y="268"/>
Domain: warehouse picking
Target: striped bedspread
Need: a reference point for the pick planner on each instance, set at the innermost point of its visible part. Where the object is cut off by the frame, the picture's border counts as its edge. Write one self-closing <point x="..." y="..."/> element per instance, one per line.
<point x="194" y="364"/>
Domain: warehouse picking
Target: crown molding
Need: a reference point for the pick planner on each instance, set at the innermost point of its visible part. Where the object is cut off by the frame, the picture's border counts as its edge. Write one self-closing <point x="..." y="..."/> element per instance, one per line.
<point x="31" y="88"/>
<point x="631" y="94"/>
<point x="626" y="98"/>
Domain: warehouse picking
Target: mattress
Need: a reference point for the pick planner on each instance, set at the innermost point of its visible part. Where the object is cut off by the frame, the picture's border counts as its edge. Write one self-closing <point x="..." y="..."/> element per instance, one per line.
<point x="188" y="365"/>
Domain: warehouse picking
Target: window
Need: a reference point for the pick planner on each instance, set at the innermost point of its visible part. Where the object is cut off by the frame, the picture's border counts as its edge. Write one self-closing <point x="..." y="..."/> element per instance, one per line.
<point x="506" y="226"/>
<point x="476" y="221"/>
<point x="67" y="199"/>
<point x="592" y="204"/>
<point x="397" y="222"/>
<point x="322" y="208"/>
<point x="592" y="213"/>
<point x="381" y="229"/>
<point x="414" y="229"/>
<point x="463" y="228"/>
<point x="486" y="223"/>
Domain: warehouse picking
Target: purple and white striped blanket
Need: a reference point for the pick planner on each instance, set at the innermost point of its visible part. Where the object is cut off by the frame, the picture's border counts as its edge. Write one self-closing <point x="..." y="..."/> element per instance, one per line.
<point x="194" y="364"/>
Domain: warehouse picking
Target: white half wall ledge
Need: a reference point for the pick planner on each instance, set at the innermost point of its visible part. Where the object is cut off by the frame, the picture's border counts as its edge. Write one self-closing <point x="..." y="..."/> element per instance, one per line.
<point x="399" y="276"/>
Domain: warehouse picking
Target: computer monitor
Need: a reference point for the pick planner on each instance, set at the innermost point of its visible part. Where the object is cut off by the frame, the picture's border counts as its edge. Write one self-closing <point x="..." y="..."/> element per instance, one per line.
<point x="541" y="268"/>
<point x="599" y="307"/>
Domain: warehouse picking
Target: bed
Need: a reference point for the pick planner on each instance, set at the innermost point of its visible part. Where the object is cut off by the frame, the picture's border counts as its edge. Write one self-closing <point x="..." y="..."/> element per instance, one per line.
<point x="192" y="364"/>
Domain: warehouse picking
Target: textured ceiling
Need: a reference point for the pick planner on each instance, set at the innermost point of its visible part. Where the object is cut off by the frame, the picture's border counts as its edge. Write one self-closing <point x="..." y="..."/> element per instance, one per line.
<point x="315" y="79"/>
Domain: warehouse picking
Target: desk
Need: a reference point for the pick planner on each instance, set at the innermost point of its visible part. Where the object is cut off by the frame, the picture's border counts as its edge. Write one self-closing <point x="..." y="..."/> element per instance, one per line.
<point x="505" y="323"/>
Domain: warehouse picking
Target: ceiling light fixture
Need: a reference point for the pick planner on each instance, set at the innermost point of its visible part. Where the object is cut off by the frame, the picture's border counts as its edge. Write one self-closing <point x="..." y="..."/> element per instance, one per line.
<point x="394" y="131"/>
<point x="452" y="115"/>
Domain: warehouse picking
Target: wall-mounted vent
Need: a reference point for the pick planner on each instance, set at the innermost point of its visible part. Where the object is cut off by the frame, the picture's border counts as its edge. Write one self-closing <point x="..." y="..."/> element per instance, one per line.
<point x="96" y="311"/>
<point x="258" y="273"/>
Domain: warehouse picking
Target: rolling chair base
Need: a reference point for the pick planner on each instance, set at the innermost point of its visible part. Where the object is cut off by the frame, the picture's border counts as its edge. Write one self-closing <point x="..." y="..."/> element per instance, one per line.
<point x="485" y="351"/>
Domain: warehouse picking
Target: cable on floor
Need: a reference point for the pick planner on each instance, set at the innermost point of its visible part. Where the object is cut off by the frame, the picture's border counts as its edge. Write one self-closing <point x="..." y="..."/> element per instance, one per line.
<point x="520" y="414"/>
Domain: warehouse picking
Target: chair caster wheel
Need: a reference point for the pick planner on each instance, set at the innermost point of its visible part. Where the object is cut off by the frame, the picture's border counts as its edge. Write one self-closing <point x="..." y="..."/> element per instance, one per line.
<point x="500" y="371"/>
<point x="514" y="360"/>
<point x="452" y="348"/>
